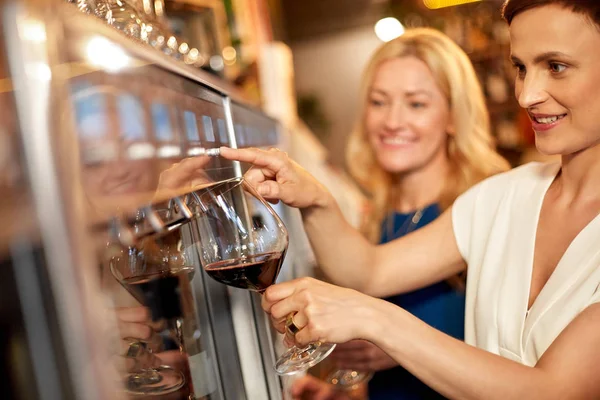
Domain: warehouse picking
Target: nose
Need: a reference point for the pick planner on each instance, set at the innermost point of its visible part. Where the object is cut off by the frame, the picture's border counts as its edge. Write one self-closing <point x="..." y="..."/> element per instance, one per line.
<point x="531" y="90"/>
<point x="395" y="118"/>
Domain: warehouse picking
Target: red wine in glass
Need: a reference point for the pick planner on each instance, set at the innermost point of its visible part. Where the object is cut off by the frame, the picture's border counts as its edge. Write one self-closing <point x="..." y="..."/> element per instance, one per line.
<point x="255" y="273"/>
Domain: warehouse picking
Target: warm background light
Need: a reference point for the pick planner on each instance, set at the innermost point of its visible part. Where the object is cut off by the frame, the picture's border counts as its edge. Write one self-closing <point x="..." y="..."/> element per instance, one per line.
<point x="445" y="3"/>
<point x="389" y="28"/>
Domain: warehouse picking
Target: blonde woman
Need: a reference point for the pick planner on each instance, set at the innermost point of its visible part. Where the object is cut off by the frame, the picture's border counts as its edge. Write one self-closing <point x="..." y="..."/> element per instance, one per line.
<point x="422" y="138"/>
<point x="529" y="237"/>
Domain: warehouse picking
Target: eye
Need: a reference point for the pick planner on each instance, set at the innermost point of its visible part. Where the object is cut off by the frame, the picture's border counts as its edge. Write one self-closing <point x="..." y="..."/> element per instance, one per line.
<point x="556" y="68"/>
<point x="417" y="104"/>
<point x="376" y="102"/>
<point x="521" y="71"/>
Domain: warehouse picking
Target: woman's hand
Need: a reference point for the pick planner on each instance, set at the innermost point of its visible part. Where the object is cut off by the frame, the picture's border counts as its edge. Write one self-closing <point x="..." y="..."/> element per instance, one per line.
<point x="360" y="355"/>
<point x="135" y="323"/>
<point x="277" y="177"/>
<point x="138" y="338"/>
<point x="322" y="312"/>
<point x="309" y="387"/>
<point x="185" y="174"/>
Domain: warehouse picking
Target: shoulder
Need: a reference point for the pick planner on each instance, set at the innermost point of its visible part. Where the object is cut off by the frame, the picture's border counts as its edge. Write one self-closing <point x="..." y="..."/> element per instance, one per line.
<point x="520" y="179"/>
<point x="505" y="191"/>
<point x="524" y="174"/>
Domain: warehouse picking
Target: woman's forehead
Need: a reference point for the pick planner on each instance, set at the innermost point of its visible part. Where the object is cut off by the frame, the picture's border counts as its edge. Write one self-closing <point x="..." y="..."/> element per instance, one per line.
<point x="404" y="73"/>
<point x="551" y="28"/>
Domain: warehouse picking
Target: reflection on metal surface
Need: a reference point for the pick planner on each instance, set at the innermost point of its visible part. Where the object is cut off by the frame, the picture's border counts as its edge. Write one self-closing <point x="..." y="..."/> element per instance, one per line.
<point x="157" y="269"/>
<point x="102" y="167"/>
<point x="104" y="54"/>
<point x="33" y="31"/>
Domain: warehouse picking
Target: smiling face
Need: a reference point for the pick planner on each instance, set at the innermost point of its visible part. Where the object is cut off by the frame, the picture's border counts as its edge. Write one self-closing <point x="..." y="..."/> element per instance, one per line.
<point x="556" y="52"/>
<point x="407" y="117"/>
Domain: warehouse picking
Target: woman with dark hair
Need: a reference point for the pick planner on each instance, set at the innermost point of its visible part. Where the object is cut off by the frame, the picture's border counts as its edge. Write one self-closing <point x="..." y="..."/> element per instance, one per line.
<point x="528" y="239"/>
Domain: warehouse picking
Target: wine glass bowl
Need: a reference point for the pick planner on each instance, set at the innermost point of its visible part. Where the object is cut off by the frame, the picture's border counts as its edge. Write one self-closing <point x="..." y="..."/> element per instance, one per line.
<point x="155" y="272"/>
<point x="243" y="244"/>
<point x="243" y="240"/>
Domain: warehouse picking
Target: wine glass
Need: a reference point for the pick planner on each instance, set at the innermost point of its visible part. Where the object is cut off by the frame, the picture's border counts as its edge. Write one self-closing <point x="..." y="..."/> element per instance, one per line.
<point x="124" y="16"/>
<point x="243" y="244"/>
<point x="156" y="273"/>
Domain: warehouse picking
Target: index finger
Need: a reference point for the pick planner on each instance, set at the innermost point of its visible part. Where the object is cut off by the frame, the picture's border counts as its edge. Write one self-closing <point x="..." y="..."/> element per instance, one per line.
<point x="133" y="314"/>
<point x="275" y="293"/>
<point x="260" y="158"/>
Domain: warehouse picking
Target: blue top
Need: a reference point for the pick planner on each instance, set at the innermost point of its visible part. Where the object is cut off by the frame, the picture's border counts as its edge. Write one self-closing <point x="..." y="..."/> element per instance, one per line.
<point x="439" y="305"/>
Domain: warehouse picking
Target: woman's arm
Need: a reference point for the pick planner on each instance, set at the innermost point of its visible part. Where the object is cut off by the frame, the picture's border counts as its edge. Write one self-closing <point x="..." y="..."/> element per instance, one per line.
<point x="419" y="259"/>
<point x="426" y="256"/>
<point x="327" y="313"/>
<point x="567" y="369"/>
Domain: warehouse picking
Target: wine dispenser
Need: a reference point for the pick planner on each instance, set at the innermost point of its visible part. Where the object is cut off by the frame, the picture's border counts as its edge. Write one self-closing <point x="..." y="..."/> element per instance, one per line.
<point x="105" y="144"/>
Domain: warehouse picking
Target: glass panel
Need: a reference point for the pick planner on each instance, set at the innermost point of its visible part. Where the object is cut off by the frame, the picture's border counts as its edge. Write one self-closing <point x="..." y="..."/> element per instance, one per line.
<point x="131" y="117"/>
<point x="191" y="126"/>
<point x="162" y="122"/>
<point x="222" y="132"/>
<point x="209" y="134"/>
<point x="90" y="111"/>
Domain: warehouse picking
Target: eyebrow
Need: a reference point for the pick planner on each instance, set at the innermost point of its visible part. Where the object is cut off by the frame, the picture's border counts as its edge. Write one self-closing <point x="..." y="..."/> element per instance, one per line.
<point x="407" y="93"/>
<point x="550" y="55"/>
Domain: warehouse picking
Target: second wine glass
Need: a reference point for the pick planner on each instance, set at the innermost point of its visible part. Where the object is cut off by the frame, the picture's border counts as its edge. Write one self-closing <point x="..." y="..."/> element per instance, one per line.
<point x="243" y="244"/>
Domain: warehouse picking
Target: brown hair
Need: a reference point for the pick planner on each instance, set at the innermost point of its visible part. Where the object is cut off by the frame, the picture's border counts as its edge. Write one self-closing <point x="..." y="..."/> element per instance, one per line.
<point x="590" y="8"/>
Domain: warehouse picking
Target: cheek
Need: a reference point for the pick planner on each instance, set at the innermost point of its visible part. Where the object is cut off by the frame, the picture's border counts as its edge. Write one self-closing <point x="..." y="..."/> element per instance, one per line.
<point x="373" y="120"/>
<point x="373" y="124"/>
<point x="432" y="129"/>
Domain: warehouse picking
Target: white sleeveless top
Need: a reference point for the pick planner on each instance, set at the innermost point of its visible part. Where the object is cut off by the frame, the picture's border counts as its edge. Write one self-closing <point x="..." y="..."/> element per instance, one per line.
<point x="495" y="224"/>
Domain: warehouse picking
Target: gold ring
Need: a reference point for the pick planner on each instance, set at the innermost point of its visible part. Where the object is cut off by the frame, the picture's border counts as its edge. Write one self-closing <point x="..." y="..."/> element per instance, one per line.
<point x="135" y="348"/>
<point x="290" y="325"/>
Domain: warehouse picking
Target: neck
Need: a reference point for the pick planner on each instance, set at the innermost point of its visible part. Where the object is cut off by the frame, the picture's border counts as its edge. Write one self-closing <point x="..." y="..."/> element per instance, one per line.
<point x="421" y="187"/>
<point x="579" y="180"/>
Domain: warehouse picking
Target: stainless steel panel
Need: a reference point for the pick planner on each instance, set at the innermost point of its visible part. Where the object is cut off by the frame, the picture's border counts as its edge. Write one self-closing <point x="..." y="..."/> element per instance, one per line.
<point x="61" y="275"/>
<point x="108" y="129"/>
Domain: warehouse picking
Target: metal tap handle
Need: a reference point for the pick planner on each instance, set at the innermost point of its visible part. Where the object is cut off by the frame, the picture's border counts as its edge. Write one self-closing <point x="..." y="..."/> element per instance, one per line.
<point x="155" y="221"/>
<point x="183" y="208"/>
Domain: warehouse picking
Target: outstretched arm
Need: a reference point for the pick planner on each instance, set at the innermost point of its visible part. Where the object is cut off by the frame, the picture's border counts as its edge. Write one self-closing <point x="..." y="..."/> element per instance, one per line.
<point x="327" y="313"/>
<point x="346" y="257"/>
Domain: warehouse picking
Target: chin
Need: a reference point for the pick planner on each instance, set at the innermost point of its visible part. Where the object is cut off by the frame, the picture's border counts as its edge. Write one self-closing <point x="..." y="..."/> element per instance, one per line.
<point x="396" y="168"/>
<point x="555" y="149"/>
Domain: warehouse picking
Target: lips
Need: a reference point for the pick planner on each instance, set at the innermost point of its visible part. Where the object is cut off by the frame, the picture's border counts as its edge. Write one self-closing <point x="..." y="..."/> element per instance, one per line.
<point x="548" y="119"/>
<point x="545" y="122"/>
<point x="397" y="141"/>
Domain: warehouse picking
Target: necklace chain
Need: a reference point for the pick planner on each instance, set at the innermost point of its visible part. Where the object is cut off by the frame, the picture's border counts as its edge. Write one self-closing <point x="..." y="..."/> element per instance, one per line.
<point x="407" y="226"/>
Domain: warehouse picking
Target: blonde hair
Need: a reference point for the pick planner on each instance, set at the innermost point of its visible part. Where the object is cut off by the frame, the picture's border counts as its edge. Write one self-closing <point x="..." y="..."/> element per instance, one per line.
<point x="471" y="149"/>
